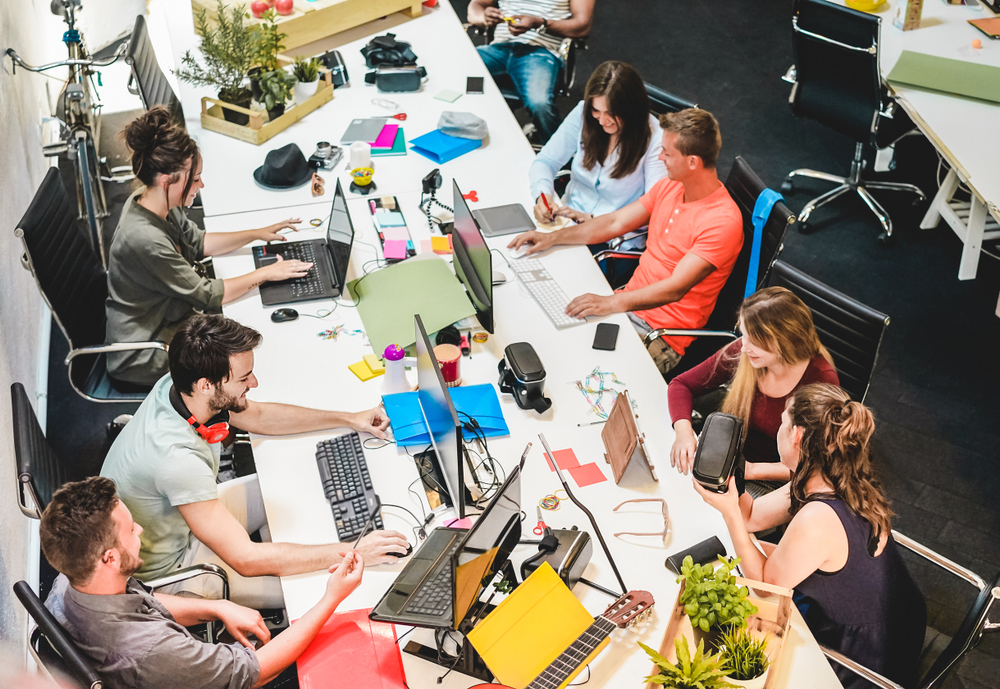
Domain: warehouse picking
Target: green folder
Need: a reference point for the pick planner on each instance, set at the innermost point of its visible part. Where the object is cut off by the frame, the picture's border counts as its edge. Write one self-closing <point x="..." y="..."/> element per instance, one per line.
<point x="387" y="300"/>
<point x="943" y="74"/>
<point x="398" y="146"/>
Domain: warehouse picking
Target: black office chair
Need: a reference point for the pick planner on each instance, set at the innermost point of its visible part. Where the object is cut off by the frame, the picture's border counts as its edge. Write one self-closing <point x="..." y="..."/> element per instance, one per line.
<point x="74" y="284"/>
<point x="744" y="186"/>
<point x="662" y="102"/>
<point x="40" y="471"/>
<point x="851" y="331"/>
<point x="970" y="631"/>
<point x="836" y="81"/>
<point x="147" y="79"/>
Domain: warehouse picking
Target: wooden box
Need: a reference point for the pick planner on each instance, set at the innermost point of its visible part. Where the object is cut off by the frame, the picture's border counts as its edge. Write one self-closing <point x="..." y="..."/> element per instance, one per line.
<point x="774" y="609"/>
<point x="259" y="129"/>
<point x="312" y="21"/>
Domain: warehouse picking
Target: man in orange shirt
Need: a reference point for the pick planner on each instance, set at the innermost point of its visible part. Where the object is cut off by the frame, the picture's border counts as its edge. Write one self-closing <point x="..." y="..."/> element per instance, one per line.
<point x="695" y="236"/>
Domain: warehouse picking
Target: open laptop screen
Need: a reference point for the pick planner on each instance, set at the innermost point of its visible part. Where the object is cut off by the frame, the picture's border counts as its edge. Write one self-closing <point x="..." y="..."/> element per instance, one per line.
<point x="339" y="237"/>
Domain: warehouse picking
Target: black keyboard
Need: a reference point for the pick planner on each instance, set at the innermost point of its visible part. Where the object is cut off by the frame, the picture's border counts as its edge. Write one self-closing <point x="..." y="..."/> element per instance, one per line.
<point x="434" y="595"/>
<point x="310" y="284"/>
<point x="347" y="484"/>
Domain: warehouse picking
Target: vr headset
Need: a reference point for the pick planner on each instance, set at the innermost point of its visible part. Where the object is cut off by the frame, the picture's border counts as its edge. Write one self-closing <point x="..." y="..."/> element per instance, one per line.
<point x="394" y="64"/>
<point x="523" y="376"/>
<point x="718" y="451"/>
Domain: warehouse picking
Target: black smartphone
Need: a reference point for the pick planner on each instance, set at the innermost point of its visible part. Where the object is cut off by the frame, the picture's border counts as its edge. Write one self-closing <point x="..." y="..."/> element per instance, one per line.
<point x="606" y="337"/>
<point x="474" y="85"/>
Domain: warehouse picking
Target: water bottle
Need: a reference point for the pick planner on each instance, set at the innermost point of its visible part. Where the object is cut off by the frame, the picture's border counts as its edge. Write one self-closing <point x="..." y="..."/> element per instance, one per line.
<point x="395" y="373"/>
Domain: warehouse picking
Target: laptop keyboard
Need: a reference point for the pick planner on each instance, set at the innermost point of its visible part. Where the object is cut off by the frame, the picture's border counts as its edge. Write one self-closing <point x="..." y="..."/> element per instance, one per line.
<point x="310" y="284"/>
<point x="347" y="484"/>
<point x="434" y="595"/>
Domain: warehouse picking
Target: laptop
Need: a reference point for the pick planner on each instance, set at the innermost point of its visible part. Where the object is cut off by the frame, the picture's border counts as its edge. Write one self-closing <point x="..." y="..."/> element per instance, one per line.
<point x="328" y="276"/>
<point x="446" y="575"/>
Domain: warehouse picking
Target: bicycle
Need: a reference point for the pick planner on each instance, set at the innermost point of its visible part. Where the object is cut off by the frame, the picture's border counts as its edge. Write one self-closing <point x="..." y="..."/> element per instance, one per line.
<point x="79" y="115"/>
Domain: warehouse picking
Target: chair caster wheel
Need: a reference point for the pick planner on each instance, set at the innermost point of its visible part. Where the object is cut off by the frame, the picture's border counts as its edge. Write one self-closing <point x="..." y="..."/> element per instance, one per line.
<point x="886" y="239"/>
<point x="806" y="228"/>
<point x="787" y="187"/>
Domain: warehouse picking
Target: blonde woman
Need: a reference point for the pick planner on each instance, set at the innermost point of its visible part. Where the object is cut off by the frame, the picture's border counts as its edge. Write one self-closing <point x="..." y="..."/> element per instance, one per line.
<point x="779" y="353"/>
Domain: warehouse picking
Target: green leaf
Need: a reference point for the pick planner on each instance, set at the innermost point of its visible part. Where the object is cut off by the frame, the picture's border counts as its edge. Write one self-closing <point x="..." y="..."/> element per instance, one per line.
<point x="704" y="625"/>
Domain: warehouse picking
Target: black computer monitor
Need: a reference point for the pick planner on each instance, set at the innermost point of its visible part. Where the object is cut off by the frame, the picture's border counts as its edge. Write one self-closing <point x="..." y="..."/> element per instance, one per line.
<point x="441" y="419"/>
<point x="339" y="237"/>
<point x="473" y="262"/>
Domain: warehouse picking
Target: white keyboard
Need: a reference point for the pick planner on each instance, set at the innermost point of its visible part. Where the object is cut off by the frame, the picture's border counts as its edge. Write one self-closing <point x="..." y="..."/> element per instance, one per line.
<point x="545" y="290"/>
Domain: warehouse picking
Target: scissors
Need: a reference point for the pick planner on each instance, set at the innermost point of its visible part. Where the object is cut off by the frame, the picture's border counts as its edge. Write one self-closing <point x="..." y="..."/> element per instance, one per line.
<point x="541" y="527"/>
<point x="401" y="116"/>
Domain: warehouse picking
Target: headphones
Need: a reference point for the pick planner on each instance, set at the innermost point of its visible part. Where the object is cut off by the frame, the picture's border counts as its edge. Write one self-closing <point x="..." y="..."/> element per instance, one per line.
<point x="215" y="431"/>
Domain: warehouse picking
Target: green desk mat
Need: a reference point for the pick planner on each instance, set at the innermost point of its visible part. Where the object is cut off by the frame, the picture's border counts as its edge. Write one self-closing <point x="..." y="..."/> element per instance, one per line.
<point x="943" y="74"/>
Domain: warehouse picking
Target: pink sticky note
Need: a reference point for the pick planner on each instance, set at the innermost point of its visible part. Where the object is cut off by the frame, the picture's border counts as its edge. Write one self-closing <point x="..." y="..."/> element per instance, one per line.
<point x="386" y="137"/>
<point x="458" y="523"/>
<point x="395" y="234"/>
<point x="566" y="458"/>
<point x="426" y="247"/>
<point x="394" y="248"/>
<point x="586" y="474"/>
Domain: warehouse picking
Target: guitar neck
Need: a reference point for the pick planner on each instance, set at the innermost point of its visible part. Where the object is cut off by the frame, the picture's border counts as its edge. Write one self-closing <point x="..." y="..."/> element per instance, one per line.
<point x="573" y="657"/>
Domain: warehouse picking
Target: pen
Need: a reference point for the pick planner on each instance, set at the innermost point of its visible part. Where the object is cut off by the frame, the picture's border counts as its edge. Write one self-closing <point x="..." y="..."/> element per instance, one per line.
<point x="546" y="202"/>
<point x="593" y="423"/>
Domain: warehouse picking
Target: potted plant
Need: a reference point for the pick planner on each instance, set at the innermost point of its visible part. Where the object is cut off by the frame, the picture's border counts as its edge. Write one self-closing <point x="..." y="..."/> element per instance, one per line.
<point x="703" y="671"/>
<point x="276" y="88"/>
<point x="712" y="599"/>
<point x="267" y="43"/>
<point x="228" y="52"/>
<point x="307" y="76"/>
<point x="746" y="658"/>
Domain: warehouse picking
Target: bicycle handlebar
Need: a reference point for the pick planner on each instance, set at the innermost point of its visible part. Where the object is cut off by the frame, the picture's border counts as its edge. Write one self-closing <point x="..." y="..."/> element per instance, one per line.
<point x="16" y="59"/>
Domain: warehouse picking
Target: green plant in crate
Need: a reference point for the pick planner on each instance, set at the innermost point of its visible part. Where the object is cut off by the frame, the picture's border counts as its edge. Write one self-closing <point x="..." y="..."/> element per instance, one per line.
<point x="746" y="656"/>
<point x="267" y="41"/>
<point x="306" y="71"/>
<point x="276" y="88"/>
<point x="711" y="597"/>
<point x="228" y="50"/>
<point x="703" y="671"/>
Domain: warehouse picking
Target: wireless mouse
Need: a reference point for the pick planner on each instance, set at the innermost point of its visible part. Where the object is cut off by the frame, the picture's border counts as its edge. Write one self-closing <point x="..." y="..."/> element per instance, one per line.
<point x="283" y="315"/>
<point x="409" y="551"/>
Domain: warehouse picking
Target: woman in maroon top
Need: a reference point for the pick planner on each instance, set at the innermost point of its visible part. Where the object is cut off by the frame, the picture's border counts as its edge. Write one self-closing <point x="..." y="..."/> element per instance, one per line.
<point x="779" y="353"/>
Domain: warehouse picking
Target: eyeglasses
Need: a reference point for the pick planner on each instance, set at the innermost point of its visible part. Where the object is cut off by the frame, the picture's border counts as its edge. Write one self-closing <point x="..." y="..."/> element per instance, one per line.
<point x="666" y="520"/>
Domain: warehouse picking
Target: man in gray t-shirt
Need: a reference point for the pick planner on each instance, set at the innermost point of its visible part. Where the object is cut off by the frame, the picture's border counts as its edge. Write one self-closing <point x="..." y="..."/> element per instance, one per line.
<point x="138" y="639"/>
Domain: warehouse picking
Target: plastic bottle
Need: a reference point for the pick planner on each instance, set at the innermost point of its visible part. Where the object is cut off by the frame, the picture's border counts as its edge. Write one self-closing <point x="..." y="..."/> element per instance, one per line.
<point x="395" y="373"/>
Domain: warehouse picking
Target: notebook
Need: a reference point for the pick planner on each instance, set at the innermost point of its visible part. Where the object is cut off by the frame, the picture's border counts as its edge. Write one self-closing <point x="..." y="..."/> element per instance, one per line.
<point x="398" y="146"/>
<point x="441" y="147"/>
<point x="352" y="651"/>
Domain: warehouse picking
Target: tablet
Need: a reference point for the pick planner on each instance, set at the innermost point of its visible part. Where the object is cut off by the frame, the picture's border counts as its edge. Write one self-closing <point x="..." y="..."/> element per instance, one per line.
<point x="500" y="220"/>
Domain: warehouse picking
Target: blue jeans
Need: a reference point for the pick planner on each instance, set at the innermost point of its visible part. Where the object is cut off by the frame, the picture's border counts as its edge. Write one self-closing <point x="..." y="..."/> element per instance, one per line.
<point x="533" y="71"/>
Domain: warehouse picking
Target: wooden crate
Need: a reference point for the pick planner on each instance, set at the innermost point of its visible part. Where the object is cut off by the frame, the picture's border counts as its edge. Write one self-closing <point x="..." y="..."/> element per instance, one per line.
<point x="259" y="130"/>
<point x="774" y="609"/>
<point x="312" y="21"/>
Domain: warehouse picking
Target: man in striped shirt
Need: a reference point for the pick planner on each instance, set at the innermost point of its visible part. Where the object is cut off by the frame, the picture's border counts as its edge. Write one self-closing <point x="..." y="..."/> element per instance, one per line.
<point x="525" y="47"/>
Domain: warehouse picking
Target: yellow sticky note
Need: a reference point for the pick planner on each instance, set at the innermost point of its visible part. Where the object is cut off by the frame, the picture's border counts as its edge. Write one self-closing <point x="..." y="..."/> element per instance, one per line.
<point x="441" y="245"/>
<point x="374" y="364"/>
<point x="361" y="370"/>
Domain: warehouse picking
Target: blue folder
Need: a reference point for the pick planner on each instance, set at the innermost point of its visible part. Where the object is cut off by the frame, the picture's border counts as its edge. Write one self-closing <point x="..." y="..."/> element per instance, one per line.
<point x="478" y="401"/>
<point x="441" y="147"/>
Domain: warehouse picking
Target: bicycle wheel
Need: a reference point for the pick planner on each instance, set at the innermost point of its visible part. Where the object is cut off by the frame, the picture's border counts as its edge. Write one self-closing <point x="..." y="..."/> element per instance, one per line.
<point x="87" y="181"/>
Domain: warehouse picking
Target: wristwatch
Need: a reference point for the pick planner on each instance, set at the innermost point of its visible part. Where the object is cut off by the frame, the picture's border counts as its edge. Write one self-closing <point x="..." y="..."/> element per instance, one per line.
<point x="545" y="23"/>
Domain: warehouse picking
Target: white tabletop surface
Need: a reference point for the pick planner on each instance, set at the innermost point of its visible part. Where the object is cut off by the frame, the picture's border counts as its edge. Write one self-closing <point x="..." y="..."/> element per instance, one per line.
<point x="295" y="365"/>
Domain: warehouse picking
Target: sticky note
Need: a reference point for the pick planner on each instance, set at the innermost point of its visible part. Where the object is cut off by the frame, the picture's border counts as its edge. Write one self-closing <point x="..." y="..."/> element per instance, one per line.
<point x="399" y="234"/>
<point x="394" y="248"/>
<point x="409" y="245"/>
<point x="441" y="245"/>
<point x="374" y="364"/>
<point x="458" y="523"/>
<point x="448" y="96"/>
<point x="425" y="246"/>
<point x="565" y="458"/>
<point x="361" y="370"/>
<point x="389" y="219"/>
<point x="586" y="474"/>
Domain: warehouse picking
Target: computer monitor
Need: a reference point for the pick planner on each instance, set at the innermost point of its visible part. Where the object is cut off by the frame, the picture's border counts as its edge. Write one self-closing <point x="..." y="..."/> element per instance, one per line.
<point x="441" y="419"/>
<point x="339" y="238"/>
<point x="473" y="261"/>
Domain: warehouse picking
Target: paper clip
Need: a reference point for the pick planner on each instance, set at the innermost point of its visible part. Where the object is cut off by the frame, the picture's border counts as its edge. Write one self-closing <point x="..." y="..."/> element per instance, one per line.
<point x="383" y="103"/>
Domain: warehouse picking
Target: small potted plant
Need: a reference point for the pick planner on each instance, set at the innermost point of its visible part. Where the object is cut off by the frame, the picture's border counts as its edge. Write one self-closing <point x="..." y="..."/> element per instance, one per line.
<point x="267" y="43"/>
<point x="746" y="658"/>
<point x="712" y="599"/>
<point x="276" y="88"/>
<point x="307" y="77"/>
<point x="228" y="52"/>
<point x="703" y="671"/>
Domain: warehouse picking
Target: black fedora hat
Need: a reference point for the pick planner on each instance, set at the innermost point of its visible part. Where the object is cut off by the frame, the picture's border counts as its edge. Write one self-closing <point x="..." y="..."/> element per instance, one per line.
<point x="283" y="168"/>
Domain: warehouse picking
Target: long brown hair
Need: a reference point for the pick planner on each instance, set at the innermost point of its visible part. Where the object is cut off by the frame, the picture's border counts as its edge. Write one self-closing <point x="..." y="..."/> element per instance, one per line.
<point x="836" y="440"/>
<point x="627" y="101"/>
<point x="160" y="147"/>
<point x="779" y="322"/>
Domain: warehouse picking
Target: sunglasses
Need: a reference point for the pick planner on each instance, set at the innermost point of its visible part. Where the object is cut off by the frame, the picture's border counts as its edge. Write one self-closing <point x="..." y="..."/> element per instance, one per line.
<point x="666" y="520"/>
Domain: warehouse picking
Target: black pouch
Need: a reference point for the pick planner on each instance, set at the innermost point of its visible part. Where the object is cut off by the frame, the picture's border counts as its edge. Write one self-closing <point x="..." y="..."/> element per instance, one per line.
<point x="333" y="61"/>
<point x="718" y="451"/>
<point x="523" y="376"/>
<point x="702" y="553"/>
<point x="397" y="79"/>
<point x="386" y="50"/>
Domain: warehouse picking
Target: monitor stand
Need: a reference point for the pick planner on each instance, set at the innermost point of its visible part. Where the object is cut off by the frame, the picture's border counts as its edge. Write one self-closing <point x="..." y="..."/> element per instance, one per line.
<point x="432" y="479"/>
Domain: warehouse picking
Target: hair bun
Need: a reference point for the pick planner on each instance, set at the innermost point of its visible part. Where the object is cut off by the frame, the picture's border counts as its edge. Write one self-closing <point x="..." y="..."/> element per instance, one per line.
<point x="143" y="133"/>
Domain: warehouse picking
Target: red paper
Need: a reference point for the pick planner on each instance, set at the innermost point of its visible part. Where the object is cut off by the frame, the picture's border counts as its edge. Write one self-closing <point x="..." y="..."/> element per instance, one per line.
<point x="586" y="474"/>
<point x="352" y="651"/>
<point x="566" y="458"/>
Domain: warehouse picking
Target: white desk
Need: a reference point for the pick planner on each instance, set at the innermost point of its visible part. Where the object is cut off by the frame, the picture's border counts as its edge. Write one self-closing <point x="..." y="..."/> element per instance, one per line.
<point x="295" y="365"/>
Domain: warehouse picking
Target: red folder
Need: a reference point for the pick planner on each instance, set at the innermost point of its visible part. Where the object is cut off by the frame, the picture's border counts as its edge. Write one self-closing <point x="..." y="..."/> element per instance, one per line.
<point x="353" y="651"/>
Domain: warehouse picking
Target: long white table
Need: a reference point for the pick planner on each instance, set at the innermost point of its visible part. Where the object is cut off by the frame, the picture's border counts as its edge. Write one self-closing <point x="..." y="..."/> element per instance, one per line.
<point x="295" y="365"/>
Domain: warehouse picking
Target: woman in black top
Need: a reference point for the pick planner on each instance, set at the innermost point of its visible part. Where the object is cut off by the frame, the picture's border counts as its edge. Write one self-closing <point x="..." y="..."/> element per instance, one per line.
<point x="851" y="585"/>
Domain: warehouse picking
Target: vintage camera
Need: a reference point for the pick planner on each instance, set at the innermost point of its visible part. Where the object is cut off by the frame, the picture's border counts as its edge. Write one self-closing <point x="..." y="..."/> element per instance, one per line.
<point x="325" y="157"/>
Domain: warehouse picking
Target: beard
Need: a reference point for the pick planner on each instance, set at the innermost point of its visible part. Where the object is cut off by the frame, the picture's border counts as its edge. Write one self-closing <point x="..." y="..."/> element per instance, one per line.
<point x="221" y="401"/>
<point x="129" y="564"/>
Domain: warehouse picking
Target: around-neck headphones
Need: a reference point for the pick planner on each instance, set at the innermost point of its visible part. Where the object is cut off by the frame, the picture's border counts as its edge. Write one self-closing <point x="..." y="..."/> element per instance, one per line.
<point x="215" y="431"/>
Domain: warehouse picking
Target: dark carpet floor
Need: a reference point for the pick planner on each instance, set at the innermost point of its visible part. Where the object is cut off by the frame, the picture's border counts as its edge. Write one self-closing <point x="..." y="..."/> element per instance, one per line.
<point x="934" y="387"/>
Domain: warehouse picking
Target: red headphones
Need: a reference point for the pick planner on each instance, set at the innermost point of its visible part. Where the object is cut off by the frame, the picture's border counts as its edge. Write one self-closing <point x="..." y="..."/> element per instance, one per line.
<point x="215" y="431"/>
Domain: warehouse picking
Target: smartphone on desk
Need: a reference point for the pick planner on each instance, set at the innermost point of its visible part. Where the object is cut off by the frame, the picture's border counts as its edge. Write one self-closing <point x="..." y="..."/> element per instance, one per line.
<point x="606" y="337"/>
<point x="474" y="85"/>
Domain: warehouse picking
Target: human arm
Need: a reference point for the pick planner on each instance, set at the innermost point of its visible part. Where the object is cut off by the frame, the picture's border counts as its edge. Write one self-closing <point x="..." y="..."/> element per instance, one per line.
<point x="234" y="288"/>
<point x="217" y="243"/>
<point x="239" y="621"/>
<point x="595" y="231"/>
<point x="292" y="643"/>
<point x="578" y="24"/>
<point x="212" y="524"/>
<point x="563" y="145"/>
<point x="653" y="168"/>
<point x="767" y="471"/>
<point x="272" y="418"/>
<point x="484" y="13"/>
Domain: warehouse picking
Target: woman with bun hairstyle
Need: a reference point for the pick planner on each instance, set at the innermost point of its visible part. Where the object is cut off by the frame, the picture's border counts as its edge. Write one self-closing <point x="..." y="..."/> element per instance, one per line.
<point x="154" y="283"/>
<point x="779" y="353"/>
<point x="837" y="553"/>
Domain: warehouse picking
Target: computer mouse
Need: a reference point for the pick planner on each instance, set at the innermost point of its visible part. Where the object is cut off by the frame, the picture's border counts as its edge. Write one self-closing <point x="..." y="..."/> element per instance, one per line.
<point x="520" y="251"/>
<point x="498" y="278"/>
<point x="283" y="315"/>
<point x="409" y="551"/>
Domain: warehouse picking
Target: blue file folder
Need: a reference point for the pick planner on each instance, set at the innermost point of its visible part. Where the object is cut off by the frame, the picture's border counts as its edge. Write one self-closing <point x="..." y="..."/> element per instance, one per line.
<point x="478" y="401"/>
<point x="441" y="147"/>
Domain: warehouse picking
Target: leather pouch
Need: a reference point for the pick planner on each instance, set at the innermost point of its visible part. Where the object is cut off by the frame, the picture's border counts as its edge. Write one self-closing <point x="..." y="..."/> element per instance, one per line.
<point x="702" y="553"/>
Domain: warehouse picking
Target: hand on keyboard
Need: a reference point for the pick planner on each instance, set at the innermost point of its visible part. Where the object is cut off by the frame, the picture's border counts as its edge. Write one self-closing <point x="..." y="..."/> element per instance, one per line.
<point x="283" y="270"/>
<point x="374" y="421"/>
<point x="376" y="546"/>
<point x="532" y="242"/>
<point x="345" y="576"/>
<point x="592" y="305"/>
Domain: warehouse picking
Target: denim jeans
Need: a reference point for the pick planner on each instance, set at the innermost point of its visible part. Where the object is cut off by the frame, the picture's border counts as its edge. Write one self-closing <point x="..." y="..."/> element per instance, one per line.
<point x="533" y="71"/>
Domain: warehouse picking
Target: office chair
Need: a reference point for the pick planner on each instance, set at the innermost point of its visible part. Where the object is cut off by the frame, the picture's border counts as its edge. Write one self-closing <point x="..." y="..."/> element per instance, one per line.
<point x="146" y="79"/>
<point x="40" y="471"/>
<point x="744" y="187"/>
<point x="970" y="631"/>
<point x="662" y="102"/>
<point x="73" y="283"/>
<point x="836" y="81"/>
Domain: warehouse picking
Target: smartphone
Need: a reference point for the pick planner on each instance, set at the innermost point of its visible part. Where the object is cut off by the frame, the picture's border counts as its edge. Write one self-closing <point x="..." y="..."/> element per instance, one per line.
<point x="606" y="337"/>
<point x="474" y="85"/>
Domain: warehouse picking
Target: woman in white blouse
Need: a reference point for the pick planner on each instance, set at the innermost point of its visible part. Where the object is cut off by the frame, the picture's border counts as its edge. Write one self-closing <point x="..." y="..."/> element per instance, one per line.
<point x="614" y="143"/>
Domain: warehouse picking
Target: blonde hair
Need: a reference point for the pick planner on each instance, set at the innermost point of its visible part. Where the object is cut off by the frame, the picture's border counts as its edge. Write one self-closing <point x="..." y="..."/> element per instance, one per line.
<point x="778" y="322"/>
<point x="836" y="437"/>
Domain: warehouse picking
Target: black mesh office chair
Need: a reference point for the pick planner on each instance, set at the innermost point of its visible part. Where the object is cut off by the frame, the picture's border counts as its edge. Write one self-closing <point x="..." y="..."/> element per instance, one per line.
<point x="74" y="285"/>
<point x="836" y="81"/>
<point x="661" y="102"/>
<point x="147" y="79"/>
<point x="936" y="665"/>
<point x="40" y="471"/>
<point x="744" y="186"/>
